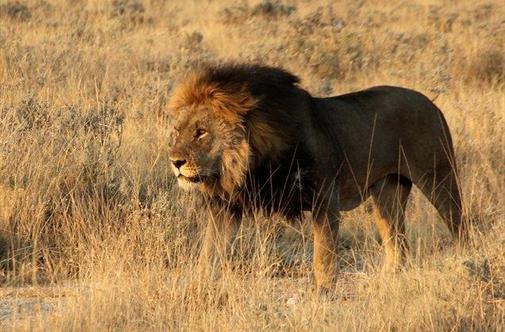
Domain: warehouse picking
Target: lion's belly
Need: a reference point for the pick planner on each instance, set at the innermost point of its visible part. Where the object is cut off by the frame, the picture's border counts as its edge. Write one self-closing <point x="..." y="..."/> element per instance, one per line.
<point x="271" y="200"/>
<point x="278" y="191"/>
<point x="351" y="203"/>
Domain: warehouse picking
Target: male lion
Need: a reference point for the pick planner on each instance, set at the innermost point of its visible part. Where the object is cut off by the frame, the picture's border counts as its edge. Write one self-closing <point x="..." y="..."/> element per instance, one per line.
<point x="249" y="138"/>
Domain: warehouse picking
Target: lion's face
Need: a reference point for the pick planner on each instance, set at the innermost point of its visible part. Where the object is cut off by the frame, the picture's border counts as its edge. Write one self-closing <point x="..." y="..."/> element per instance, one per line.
<point x="202" y="146"/>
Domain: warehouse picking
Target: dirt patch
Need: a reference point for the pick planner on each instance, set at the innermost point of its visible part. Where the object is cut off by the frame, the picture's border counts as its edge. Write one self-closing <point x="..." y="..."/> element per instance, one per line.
<point x="29" y="303"/>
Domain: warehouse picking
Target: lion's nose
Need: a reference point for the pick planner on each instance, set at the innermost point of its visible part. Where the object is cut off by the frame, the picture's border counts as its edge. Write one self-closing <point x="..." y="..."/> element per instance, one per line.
<point x="178" y="162"/>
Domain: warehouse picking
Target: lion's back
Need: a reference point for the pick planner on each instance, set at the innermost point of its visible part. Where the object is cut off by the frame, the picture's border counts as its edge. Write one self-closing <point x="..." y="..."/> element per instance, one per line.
<point x="376" y="123"/>
<point x="385" y="108"/>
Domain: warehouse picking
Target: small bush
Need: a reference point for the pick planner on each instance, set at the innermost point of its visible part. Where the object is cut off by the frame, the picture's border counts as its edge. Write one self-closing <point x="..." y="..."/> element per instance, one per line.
<point x="16" y="11"/>
<point x="489" y="65"/>
<point x="265" y="9"/>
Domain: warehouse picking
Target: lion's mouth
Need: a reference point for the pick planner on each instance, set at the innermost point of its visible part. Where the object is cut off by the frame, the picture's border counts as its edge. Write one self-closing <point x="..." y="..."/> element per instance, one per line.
<point x="192" y="179"/>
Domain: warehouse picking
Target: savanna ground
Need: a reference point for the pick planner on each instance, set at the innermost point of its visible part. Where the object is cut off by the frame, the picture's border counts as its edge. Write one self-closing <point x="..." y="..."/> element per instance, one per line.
<point x="94" y="237"/>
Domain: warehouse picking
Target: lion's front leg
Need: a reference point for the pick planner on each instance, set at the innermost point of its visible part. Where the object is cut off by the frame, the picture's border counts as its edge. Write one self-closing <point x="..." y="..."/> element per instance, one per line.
<point x="217" y="242"/>
<point x="325" y="229"/>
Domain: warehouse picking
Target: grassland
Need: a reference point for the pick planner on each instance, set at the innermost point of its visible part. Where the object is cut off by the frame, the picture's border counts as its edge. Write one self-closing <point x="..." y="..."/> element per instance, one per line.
<point x="94" y="237"/>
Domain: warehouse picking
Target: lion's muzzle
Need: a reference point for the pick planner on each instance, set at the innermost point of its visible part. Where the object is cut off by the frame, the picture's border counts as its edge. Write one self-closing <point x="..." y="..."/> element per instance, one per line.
<point x="186" y="173"/>
<point x="177" y="162"/>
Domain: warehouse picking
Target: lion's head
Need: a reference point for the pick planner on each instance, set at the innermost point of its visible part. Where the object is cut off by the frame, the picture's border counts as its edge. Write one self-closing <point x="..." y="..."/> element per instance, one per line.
<point x="222" y="124"/>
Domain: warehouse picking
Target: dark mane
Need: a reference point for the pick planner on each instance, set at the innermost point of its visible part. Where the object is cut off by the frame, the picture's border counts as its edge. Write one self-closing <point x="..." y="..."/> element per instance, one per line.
<point x="261" y="80"/>
<point x="273" y="88"/>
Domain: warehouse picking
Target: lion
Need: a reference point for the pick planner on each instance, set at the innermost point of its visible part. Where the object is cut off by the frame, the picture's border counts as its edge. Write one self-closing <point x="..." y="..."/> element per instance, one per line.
<point x="248" y="138"/>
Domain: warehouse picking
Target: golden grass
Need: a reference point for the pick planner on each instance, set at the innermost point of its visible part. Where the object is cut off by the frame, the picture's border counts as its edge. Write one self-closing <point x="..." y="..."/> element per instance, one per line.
<point x="92" y="235"/>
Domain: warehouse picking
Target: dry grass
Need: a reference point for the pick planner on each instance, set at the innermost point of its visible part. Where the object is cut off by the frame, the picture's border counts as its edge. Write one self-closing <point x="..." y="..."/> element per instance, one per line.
<point x="92" y="235"/>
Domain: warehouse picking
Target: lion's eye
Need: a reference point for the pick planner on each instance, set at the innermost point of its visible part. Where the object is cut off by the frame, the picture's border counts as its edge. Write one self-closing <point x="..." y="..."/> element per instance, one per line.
<point x="200" y="133"/>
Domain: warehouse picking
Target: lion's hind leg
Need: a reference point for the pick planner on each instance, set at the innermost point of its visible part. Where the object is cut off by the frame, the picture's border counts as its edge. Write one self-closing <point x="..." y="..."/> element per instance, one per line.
<point x="390" y="199"/>
<point x="443" y="192"/>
